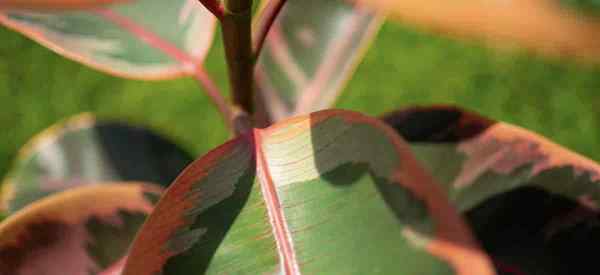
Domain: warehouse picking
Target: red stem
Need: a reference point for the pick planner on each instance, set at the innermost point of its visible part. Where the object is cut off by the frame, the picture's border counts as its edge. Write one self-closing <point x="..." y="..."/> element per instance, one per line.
<point x="266" y="20"/>
<point x="215" y="7"/>
<point x="187" y="61"/>
<point x="237" y="42"/>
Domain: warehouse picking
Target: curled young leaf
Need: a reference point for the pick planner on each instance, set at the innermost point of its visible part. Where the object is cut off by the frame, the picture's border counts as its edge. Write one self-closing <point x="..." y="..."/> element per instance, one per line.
<point x="534" y="205"/>
<point x="82" y="231"/>
<point x="310" y="52"/>
<point x="547" y="26"/>
<point x="143" y="39"/>
<point x="334" y="192"/>
<point x="83" y="151"/>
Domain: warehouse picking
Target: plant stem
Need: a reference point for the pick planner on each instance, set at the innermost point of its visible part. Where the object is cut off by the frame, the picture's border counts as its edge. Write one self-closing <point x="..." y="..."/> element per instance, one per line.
<point x="214" y="7"/>
<point x="236" y="24"/>
<point x="267" y="17"/>
<point x="187" y="61"/>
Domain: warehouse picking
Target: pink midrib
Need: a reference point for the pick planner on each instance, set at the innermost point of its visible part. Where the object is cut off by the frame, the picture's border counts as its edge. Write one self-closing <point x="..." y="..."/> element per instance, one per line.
<point x="276" y="217"/>
<point x="189" y="64"/>
<point x="326" y="70"/>
<point x="148" y="37"/>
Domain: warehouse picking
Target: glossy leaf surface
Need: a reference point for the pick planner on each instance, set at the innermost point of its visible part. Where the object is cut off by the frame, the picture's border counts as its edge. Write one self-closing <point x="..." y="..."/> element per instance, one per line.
<point x="146" y="39"/>
<point x="533" y="204"/>
<point x="82" y="231"/>
<point x="310" y="53"/>
<point x="82" y="151"/>
<point x="55" y="4"/>
<point x="334" y="192"/>
<point x="547" y="26"/>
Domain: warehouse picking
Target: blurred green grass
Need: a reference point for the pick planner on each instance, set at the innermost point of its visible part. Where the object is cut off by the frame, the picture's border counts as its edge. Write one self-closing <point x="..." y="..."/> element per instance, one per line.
<point x="556" y="98"/>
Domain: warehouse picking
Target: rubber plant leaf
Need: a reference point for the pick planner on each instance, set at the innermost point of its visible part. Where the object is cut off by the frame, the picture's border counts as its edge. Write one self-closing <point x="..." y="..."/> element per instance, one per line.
<point x="533" y="204"/>
<point x="142" y="39"/>
<point x="55" y="4"/>
<point x="547" y="26"/>
<point x="82" y="151"/>
<point x="310" y="53"/>
<point x="67" y="234"/>
<point x="333" y="192"/>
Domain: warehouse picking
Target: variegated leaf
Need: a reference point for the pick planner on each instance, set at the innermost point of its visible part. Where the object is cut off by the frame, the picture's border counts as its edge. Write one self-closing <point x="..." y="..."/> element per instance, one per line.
<point x="83" y="231"/>
<point x="55" y="4"/>
<point x="82" y="151"/>
<point x="547" y="26"/>
<point x="145" y="39"/>
<point x="310" y="52"/>
<point x="334" y="192"/>
<point x="533" y="204"/>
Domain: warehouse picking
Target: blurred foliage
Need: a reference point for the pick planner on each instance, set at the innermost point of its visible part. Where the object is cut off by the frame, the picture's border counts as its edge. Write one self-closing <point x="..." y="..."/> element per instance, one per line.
<point x="590" y="7"/>
<point x="557" y="98"/>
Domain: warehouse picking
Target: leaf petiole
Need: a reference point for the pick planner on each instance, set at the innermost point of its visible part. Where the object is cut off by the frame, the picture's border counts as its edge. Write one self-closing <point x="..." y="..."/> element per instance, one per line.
<point x="215" y="7"/>
<point x="265" y="21"/>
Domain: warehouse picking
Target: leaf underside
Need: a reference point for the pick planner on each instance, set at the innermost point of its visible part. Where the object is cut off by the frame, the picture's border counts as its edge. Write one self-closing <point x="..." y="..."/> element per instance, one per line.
<point x="531" y="203"/>
<point x="331" y="193"/>
<point x="144" y="39"/>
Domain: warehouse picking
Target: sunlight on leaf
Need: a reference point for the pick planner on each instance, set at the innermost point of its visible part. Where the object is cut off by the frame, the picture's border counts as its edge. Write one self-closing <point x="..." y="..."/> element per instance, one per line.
<point x="546" y="26"/>
<point x="333" y="192"/>
<point x="82" y="151"/>
<point x="145" y="39"/>
<point x="534" y="205"/>
<point x="310" y="53"/>
<point x="55" y="4"/>
<point x="66" y="234"/>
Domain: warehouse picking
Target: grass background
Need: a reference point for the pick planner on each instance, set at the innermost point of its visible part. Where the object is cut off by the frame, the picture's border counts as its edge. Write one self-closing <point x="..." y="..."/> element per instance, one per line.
<point x="554" y="97"/>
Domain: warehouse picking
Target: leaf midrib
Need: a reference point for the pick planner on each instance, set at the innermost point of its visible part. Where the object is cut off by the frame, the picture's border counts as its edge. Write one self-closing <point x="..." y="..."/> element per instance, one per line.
<point x="146" y="36"/>
<point x="277" y="220"/>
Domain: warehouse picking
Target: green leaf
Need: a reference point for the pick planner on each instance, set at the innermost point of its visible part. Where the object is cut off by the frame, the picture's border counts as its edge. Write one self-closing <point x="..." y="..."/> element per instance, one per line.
<point x="144" y="39"/>
<point x="546" y="26"/>
<point x="54" y="4"/>
<point x="334" y="192"/>
<point x="533" y="204"/>
<point x="310" y="53"/>
<point x="82" y="151"/>
<point x="66" y="234"/>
